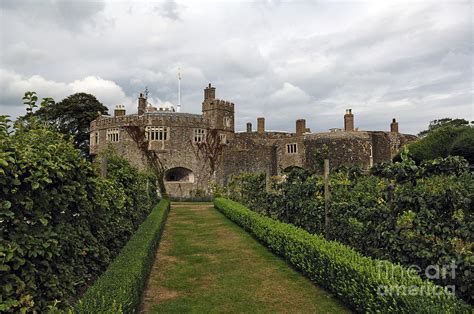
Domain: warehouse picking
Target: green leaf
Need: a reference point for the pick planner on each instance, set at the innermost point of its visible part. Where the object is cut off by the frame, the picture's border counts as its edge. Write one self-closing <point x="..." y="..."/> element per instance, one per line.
<point x="6" y="204"/>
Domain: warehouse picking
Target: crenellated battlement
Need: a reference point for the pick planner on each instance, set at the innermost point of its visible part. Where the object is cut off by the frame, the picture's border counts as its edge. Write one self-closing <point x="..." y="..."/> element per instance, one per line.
<point x="218" y="104"/>
<point x="156" y="119"/>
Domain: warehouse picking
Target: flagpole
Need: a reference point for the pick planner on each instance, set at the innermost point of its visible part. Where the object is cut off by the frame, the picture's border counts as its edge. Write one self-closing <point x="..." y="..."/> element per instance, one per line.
<point x="179" y="91"/>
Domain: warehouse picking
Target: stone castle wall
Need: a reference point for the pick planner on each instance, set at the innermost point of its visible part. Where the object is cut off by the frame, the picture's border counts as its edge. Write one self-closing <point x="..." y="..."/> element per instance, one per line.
<point x="258" y="151"/>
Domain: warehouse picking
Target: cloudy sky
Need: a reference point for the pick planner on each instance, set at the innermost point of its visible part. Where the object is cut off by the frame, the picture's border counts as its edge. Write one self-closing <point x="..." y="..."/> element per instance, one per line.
<point x="283" y="60"/>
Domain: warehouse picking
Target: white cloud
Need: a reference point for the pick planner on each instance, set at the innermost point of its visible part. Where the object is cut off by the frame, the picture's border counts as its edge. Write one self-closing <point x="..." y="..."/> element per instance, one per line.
<point x="13" y="86"/>
<point x="288" y="96"/>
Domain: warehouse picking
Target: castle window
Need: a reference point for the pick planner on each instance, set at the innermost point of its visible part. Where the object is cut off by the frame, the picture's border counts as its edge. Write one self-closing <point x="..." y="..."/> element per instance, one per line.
<point x="227" y="122"/>
<point x="199" y="135"/>
<point x="223" y="138"/>
<point x="291" y="148"/>
<point x="113" y="135"/>
<point x="94" y="139"/>
<point x="157" y="133"/>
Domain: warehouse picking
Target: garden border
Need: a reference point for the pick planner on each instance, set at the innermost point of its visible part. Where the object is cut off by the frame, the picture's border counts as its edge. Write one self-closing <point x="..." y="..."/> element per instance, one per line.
<point x="354" y="278"/>
<point x="120" y="287"/>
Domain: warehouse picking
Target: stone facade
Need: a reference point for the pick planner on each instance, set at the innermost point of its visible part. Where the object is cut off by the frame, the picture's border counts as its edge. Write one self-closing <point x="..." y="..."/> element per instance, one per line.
<point x="173" y="136"/>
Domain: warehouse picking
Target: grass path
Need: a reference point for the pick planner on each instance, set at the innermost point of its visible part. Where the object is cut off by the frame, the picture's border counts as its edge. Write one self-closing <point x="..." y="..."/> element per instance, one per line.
<point x="206" y="263"/>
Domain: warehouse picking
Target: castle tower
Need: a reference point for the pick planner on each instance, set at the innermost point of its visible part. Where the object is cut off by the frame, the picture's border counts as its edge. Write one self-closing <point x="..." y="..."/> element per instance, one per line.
<point x="220" y="113"/>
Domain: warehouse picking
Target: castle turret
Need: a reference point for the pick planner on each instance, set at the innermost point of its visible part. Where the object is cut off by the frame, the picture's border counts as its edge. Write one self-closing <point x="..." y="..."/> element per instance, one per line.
<point x="141" y="104"/>
<point x="209" y="92"/>
<point x="220" y="113"/>
<point x="348" y="121"/>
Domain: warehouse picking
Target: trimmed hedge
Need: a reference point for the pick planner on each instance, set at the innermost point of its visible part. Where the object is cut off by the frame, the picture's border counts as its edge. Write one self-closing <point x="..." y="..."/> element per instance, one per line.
<point x="359" y="281"/>
<point x="61" y="224"/>
<point x="120" y="288"/>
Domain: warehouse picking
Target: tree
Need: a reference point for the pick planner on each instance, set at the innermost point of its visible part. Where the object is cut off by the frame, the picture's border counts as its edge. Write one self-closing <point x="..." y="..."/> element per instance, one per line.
<point x="443" y="141"/>
<point x="72" y="116"/>
<point x="436" y="124"/>
<point x="464" y="145"/>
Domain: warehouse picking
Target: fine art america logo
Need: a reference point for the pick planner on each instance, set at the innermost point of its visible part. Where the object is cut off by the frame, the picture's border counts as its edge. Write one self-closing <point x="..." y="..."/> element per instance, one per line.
<point x="433" y="272"/>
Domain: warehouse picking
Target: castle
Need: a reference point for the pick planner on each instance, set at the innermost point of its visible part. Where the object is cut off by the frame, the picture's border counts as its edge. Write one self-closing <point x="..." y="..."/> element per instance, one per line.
<point x="174" y="135"/>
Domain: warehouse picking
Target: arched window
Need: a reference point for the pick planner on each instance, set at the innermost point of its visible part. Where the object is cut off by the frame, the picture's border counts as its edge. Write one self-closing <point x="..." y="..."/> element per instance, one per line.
<point x="179" y="174"/>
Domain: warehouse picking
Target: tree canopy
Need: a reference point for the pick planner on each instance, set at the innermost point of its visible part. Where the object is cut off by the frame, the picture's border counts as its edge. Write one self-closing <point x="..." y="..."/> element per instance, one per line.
<point x="72" y="116"/>
<point x="435" y="124"/>
<point x="444" y="137"/>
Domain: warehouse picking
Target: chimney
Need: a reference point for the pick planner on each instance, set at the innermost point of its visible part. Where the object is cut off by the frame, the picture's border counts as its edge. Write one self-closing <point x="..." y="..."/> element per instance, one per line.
<point x="141" y="104"/>
<point x="300" y="127"/>
<point x="348" y="121"/>
<point x="261" y="125"/>
<point x="209" y="92"/>
<point x="249" y="127"/>
<point x="394" y="126"/>
<point x="119" y="111"/>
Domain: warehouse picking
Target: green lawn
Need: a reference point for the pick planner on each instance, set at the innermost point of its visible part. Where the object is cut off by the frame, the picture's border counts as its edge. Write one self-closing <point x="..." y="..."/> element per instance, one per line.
<point x="206" y="263"/>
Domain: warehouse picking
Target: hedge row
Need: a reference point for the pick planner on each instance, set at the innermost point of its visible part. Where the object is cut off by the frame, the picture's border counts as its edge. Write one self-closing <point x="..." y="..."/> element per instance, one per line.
<point x="410" y="214"/>
<point x="61" y="224"/>
<point x="361" y="282"/>
<point x="120" y="288"/>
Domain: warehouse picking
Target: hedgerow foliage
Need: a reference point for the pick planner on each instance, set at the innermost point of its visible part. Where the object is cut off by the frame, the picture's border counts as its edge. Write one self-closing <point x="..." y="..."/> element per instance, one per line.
<point x="120" y="288"/>
<point x="415" y="215"/>
<point x="60" y="223"/>
<point x="361" y="282"/>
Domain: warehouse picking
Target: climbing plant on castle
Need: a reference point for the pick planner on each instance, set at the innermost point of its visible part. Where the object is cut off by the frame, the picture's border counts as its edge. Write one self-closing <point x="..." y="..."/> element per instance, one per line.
<point x="152" y="158"/>
<point x="209" y="152"/>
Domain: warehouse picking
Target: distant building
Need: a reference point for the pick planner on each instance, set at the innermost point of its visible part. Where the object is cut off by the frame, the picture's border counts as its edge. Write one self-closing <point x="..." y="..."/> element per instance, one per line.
<point x="172" y="134"/>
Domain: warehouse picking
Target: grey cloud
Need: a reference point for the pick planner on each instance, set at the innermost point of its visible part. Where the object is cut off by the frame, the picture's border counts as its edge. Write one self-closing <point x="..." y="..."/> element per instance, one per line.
<point x="413" y="62"/>
<point x="72" y="15"/>
<point x="169" y="9"/>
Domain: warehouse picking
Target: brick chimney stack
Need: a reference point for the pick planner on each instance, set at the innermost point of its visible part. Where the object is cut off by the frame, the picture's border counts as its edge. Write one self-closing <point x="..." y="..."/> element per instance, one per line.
<point x="249" y="127"/>
<point x="300" y="127"/>
<point x="119" y="111"/>
<point x="141" y="104"/>
<point x="261" y="125"/>
<point x="394" y="126"/>
<point x="348" y="121"/>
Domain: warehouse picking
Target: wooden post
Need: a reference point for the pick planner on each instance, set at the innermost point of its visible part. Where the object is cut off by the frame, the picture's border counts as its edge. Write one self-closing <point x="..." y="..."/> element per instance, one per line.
<point x="103" y="167"/>
<point x="327" y="200"/>
<point x="268" y="185"/>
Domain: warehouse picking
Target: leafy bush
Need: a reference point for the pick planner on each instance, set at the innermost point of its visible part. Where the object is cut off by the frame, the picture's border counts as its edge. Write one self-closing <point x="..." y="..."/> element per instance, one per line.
<point x="445" y="140"/>
<point x="363" y="283"/>
<point x="60" y="223"/>
<point x="120" y="288"/>
<point x="411" y="214"/>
